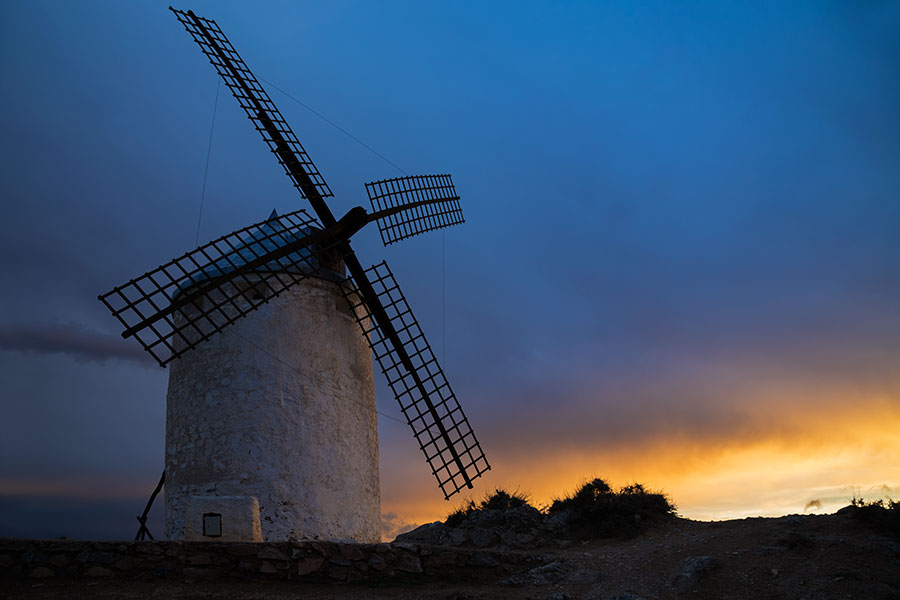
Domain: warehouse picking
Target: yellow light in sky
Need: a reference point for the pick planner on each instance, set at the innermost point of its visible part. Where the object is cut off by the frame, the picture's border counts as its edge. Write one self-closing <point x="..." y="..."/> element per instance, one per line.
<point x="826" y="456"/>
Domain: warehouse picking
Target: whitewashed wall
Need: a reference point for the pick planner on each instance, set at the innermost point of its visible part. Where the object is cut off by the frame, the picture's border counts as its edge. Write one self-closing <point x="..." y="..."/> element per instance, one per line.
<point x="301" y="437"/>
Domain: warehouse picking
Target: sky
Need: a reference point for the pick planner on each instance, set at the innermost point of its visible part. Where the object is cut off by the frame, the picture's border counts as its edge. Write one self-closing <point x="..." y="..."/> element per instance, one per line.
<point x="680" y="264"/>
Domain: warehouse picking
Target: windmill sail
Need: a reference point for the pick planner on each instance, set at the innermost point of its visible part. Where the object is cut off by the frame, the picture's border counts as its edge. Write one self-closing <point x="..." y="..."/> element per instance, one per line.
<point x="419" y="384"/>
<point x="175" y="307"/>
<point x="408" y="206"/>
<point x="256" y="103"/>
<point x="425" y="397"/>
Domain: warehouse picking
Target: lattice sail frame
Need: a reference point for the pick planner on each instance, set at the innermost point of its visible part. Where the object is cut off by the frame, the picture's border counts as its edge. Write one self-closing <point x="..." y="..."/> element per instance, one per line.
<point x="450" y="414"/>
<point x="211" y="279"/>
<point x="252" y="97"/>
<point x="432" y="201"/>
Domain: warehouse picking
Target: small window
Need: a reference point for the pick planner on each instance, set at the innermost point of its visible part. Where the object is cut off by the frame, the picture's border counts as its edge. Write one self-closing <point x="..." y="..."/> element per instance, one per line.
<point x="212" y="524"/>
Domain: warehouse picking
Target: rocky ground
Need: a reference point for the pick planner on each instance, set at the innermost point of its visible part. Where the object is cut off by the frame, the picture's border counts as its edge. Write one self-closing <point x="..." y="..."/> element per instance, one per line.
<point x="794" y="557"/>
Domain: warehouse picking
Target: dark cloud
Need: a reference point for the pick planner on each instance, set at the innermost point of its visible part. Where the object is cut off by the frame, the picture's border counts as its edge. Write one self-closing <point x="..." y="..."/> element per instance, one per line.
<point x="813" y="505"/>
<point x="72" y="340"/>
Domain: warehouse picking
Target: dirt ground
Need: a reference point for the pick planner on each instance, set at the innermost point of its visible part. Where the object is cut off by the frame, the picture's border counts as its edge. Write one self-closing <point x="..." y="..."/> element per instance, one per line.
<point x="790" y="558"/>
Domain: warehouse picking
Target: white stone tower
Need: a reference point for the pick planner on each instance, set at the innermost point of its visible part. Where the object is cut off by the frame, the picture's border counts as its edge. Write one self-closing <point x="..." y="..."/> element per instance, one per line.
<point x="271" y="429"/>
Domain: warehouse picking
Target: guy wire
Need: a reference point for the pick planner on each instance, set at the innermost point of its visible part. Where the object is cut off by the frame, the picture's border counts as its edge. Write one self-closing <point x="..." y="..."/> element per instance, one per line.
<point x="379" y="155"/>
<point x="212" y="128"/>
<point x="338" y="127"/>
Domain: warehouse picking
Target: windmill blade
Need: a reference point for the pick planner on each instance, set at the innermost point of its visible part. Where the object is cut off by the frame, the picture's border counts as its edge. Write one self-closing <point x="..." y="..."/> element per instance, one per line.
<point x="408" y="206"/>
<point x="175" y="307"/>
<point x="259" y="107"/>
<point x="418" y="382"/>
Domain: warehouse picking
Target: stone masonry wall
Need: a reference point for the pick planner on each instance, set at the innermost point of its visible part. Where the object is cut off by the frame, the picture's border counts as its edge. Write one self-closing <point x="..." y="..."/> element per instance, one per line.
<point x="199" y="561"/>
<point x="279" y="407"/>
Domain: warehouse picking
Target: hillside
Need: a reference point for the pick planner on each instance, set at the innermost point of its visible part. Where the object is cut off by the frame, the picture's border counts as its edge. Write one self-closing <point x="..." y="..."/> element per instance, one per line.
<point x="793" y="557"/>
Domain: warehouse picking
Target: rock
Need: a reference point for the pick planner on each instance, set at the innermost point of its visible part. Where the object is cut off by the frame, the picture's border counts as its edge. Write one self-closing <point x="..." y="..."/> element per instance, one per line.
<point x="128" y="562"/>
<point x="40" y="573"/>
<point x="458" y="537"/>
<point x="272" y="553"/>
<point x="102" y="558"/>
<point x="384" y="548"/>
<point x="98" y="571"/>
<point x="548" y="574"/>
<point x="338" y="572"/>
<point x="694" y="569"/>
<point x="519" y="528"/>
<point x="60" y="560"/>
<point x="517" y="540"/>
<point x="484" y="538"/>
<point x="408" y="563"/>
<point x="243" y="549"/>
<point x="443" y="559"/>
<point x="351" y="552"/>
<point x="377" y="563"/>
<point x="206" y="574"/>
<point x="36" y="558"/>
<point x="199" y="559"/>
<point x="558" y="520"/>
<point x="423" y="534"/>
<point x="6" y="560"/>
<point x="482" y="559"/>
<point x="360" y="567"/>
<point x="247" y="564"/>
<point x="310" y="564"/>
<point x="626" y="596"/>
<point x="315" y="546"/>
<point x="267" y="567"/>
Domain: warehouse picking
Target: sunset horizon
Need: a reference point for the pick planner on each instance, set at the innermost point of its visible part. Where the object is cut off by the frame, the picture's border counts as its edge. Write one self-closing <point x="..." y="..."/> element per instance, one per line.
<point x="679" y="264"/>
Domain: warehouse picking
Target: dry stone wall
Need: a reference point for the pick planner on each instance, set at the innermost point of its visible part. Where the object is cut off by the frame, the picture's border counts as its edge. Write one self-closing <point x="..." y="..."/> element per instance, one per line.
<point x="204" y="561"/>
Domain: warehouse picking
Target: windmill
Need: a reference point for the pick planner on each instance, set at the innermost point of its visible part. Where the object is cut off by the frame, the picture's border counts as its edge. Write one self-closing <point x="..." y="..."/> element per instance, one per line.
<point x="189" y="305"/>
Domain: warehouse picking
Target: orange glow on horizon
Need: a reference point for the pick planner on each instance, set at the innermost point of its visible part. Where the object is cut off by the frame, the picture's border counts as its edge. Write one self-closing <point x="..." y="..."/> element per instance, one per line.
<point x="827" y="457"/>
<point x="805" y="459"/>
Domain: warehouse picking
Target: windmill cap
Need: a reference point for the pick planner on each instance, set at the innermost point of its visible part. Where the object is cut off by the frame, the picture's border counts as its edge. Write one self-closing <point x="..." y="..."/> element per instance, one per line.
<point x="268" y="236"/>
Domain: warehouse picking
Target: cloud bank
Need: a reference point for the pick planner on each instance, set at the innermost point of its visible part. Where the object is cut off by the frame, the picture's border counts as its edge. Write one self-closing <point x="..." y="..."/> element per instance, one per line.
<point x="71" y="340"/>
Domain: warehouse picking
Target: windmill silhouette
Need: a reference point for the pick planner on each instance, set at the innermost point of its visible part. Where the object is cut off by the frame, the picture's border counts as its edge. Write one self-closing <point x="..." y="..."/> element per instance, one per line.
<point x="182" y="304"/>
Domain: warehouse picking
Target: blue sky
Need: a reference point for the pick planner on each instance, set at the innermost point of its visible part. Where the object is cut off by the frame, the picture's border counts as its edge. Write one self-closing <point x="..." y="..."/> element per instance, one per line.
<point x="682" y="221"/>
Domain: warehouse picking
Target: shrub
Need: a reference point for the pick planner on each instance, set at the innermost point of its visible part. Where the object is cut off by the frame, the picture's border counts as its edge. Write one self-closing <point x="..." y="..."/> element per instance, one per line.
<point x="587" y="495"/>
<point x="503" y="500"/>
<point x="883" y="515"/>
<point x="595" y="510"/>
<point x="459" y="515"/>
<point x="499" y="500"/>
